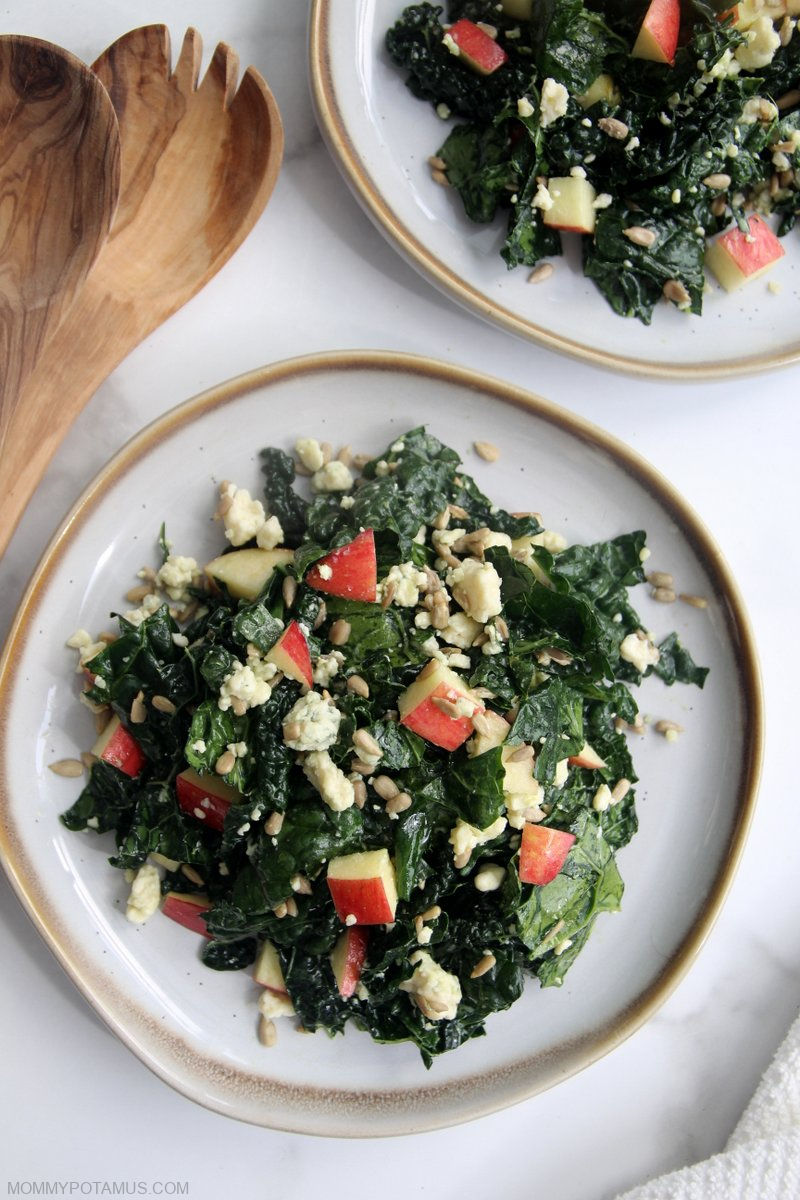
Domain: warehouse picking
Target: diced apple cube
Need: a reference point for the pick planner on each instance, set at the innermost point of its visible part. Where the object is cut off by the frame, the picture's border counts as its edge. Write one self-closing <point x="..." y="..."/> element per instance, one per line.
<point x="245" y="572"/>
<point x="658" y="35"/>
<point x="187" y="909"/>
<point x="117" y="746"/>
<point x="587" y="757"/>
<point x="290" y="654"/>
<point x="350" y="571"/>
<point x="206" y="794"/>
<point x="601" y="88"/>
<point x="477" y="49"/>
<point x="543" y="853"/>
<point x="363" y="887"/>
<point x="268" y="970"/>
<point x="737" y="258"/>
<point x="347" y="959"/>
<point x="573" y="204"/>
<point x="419" y="711"/>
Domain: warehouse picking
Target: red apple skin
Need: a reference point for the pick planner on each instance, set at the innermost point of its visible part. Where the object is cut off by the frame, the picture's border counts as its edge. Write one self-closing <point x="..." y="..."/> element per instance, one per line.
<point x="209" y="794"/>
<point x="658" y="36"/>
<point x="290" y="654"/>
<point x="542" y="853"/>
<point x="120" y="748"/>
<point x="587" y="757"/>
<point x="364" y="899"/>
<point x="478" y="50"/>
<point x="187" y="911"/>
<point x="354" y="570"/>
<point x="347" y="959"/>
<point x="435" y="726"/>
<point x="751" y="257"/>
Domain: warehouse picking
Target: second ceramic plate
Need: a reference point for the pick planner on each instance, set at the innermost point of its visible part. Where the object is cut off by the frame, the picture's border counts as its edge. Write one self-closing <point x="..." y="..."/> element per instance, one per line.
<point x="197" y="1028"/>
<point x="381" y="137"/>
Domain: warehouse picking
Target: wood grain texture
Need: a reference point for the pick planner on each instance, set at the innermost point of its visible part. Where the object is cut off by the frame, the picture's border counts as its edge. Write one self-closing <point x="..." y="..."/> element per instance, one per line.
<point x="59" y="181"/>
<point x="199" y="163"/>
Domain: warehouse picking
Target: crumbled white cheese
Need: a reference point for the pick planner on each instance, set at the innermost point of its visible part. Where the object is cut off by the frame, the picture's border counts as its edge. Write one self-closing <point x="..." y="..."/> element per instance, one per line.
<point x="199" y="746"/>
<point x="272" y="1005"/>
<point x="145" y="894"/>
<point x="318" y="719"/>
<point x="553" y="103"/>
<point x="762" y="42"/>
<point x="542" y="199"/>
<point x="461" y="630"/>
<point x="451" y="44"/>
<point x="270" y="534"/>
<point x="443" y="111"/>
<point x="476" y="587"/>
<point x="422" y="620"/>
<point x="326" y="666"/>
<point x="552" y="541"/>
<point x="325" y="572"/>
<point x="333" y="477"/>
<point x="309" y="451"/>
<point x="465" y="837"/>
<point x="149" y="605"/>
<point x="561" y="773"/>
<point x="175" y="575"/>
<point x="249" y="683"/>
<point x="86" y="646"/>
<point x="180" y="639"/>
<point x="347" y="502"/>
<point x="638" y="649"/>
<point x="632" y="145"/>
<point x="493" y="643"/>
<point x="604" y="200"/>
<point x="330" y="781"/>
<point x="524" y="107"/>
<point x="244" y="516"/>
<point x="407" y="580"/>
<point x="436" y="992"/>
<point x="489" y="878"/>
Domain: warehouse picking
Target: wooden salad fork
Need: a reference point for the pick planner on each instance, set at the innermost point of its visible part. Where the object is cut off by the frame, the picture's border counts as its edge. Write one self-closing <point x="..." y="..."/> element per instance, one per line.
<point x="199" y="163"/>
<point x="59" y="183"/>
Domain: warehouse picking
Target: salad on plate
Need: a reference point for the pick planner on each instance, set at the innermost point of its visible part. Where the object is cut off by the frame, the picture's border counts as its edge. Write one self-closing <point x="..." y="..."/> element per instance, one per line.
<point x="665" y="135"/>
<point x="376" y="750"/>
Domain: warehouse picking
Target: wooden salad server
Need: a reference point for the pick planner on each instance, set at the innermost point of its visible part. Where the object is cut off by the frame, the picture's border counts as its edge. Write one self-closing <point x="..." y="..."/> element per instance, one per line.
<point x="59" y="183"/>
<point x="198" y="166"/>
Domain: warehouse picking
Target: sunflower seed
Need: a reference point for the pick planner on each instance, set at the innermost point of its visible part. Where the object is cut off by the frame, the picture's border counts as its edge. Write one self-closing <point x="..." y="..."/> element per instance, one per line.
<point x="225" y="763"/>
<point x="364" y="740"/>
<point x="322" y="616"/>
<point x="273" y="824"/>
<point x="138" y="712"/>
<point x="398" y="803"/>
<point x="695" y="601"/>
<point x="674" y="290"/>
<point x="359" y="685"/>
<point x="163" y="704"/>
<point x="482" y="966"/>
<point x="70" y="768"/>
<point x="301" y="885"/>
<point x="487" y="451"/>
<point x="386" y="788"/>
<point x="541" y="273"/>
<point x="289" y="590"/>
<point x="613" y="127"/>
<point x="640" y="236"/>
<point x="192" y="875"/>
<point x="339" y="632"/>
<point x="718" y="182"/>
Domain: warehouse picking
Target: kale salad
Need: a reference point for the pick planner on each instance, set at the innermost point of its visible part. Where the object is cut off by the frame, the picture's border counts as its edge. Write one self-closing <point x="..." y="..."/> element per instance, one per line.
<point x="644" y="128"/>
<point x="375" y="752"/>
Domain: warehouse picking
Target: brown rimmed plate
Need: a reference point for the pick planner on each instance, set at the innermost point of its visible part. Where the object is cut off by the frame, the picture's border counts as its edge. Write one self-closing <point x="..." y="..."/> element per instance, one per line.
<point x="197" y="1029"/>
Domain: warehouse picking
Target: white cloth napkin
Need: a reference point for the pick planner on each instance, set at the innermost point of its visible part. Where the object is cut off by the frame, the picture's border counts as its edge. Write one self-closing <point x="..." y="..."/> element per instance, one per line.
<point x="762" y="1158"/>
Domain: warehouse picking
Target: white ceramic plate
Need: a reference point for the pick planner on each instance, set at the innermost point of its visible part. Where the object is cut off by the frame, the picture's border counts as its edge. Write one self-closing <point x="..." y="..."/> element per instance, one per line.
<point x="381" y="136"/>
<point x="197" y="1029"/>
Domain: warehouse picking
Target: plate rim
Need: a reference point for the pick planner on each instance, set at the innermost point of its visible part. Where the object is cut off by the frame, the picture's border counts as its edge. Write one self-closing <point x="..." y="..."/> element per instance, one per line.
<point x="345" y="154"/>
<point x="261" y="1100"/>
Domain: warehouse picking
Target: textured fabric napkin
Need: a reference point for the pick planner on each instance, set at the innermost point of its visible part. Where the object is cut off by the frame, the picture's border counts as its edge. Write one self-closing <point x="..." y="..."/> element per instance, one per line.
<point x="762" y="1158"/>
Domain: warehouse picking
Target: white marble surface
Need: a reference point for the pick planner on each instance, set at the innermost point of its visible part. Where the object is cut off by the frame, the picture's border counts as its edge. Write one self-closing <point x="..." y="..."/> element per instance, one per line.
<point x="76" y="1106"/>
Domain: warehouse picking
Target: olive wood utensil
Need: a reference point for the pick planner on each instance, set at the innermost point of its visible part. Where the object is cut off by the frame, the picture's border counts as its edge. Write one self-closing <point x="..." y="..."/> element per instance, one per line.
<point x="198" y="166"/>
<point x="59" y="182"/>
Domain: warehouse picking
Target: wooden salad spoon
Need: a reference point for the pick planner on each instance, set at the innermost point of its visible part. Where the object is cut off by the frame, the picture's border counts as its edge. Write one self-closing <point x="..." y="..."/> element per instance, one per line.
<point x="59" y="182"/>
<point x="198" y="166"/>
